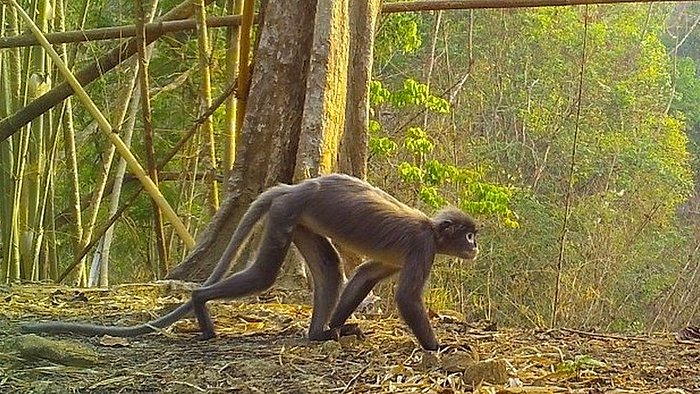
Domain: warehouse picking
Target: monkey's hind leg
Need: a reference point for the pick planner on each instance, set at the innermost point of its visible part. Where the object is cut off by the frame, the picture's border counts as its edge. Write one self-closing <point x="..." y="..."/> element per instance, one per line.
<point x="324" y="264"/>
<point x="258" y="277"/>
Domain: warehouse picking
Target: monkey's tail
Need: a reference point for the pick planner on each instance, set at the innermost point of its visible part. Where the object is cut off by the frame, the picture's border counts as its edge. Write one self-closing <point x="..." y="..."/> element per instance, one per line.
<point x="255" y="212"/>
<point x="117" y="331"/>
<point x="252" y="216"/>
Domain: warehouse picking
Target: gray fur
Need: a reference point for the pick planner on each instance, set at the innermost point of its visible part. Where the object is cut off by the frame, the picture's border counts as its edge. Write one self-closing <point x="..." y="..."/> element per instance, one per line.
<point x="347" y="210"/>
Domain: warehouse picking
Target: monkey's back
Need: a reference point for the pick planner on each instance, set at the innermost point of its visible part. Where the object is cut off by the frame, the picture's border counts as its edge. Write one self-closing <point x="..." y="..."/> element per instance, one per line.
<point x="362" y="217"/>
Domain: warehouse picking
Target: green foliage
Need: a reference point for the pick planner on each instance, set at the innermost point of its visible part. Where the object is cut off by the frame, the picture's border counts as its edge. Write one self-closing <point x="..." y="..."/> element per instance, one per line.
<point x="431" y="177"/>
<point x="506" y="147"/>
<point x="378" y="95"/>
<point x="417" y="142"/>
<point x="488" y="199"/>
<point x="398" y="33"/>
<point x="410" y="173"/>
<point x="416" y="93"/>
<point x="382" y="146"/>
<point x="687" y="96"/>
<point x="431" y="196"/>
<point x="411" y="93"/>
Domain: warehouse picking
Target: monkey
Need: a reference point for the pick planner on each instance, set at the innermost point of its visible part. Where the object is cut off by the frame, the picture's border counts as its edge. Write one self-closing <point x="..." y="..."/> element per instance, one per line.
<point x="315" y="214"/>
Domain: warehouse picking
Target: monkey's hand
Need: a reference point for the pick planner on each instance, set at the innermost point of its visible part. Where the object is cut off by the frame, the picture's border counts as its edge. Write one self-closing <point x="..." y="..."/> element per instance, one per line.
<point x="336" y="332"/>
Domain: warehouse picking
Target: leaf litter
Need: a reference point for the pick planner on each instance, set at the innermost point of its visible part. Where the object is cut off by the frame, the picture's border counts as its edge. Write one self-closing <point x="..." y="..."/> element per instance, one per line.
<point x="262" y="348"/>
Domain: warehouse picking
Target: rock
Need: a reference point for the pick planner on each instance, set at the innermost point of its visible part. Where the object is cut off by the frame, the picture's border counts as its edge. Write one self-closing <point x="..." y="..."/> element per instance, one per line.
<point x="34" y="347"/>
<point x="492" y="371"/>
<point x="349" y="341"/>
<point x="457" y="361"/>
<point x="429" y="361"/>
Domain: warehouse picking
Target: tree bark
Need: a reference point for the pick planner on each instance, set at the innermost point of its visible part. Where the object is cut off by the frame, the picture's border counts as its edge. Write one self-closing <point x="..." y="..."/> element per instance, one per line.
<point x="267" y="150"/>
<point x="326" y="91"/>
<point x="352" y="152"/>
<point x="352" y="155"/>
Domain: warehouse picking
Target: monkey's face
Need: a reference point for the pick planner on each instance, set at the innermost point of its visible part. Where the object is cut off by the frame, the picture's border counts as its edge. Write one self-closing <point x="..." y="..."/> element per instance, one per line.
<point x="458" y="240"/>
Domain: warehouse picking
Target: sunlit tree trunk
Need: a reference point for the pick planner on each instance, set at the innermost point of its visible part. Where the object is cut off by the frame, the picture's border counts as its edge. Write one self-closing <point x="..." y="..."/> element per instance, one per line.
<point x="267" y="150"/>
<point x="352" y="152"/>
<point x="326" y="91"/>
<point x="352" y="155"/>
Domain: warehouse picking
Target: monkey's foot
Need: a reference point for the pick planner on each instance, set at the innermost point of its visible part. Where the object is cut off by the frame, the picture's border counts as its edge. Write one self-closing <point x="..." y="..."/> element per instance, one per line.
<point x="335" y="333"/>
<point x="350" y="329"/>
<point x="205" y="336"/>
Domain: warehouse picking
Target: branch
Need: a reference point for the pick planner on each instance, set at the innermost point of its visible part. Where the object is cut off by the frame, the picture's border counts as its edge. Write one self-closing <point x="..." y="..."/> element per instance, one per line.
<point x="434" y="5"/>
<point x="36" y="108"/>
<point x="155" y="29"/>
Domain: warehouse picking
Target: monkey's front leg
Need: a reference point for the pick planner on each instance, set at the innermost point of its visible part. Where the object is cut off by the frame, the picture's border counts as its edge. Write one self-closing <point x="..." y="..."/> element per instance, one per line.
<point x="366" y="276"/>
<point x="409" y="293"/>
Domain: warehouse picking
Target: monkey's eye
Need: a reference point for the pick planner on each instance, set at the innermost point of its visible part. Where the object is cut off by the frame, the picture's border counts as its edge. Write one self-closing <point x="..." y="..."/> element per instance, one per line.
<point x="470" y="237"/>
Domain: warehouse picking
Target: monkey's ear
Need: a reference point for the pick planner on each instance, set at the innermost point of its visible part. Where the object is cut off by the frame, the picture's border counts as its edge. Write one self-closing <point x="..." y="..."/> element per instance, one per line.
<point x="445" y="227"/>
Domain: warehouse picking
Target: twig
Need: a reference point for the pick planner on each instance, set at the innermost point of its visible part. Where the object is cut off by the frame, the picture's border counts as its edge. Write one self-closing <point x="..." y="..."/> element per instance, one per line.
<point x="352" y="381"/>
<point x="605" y="336"/>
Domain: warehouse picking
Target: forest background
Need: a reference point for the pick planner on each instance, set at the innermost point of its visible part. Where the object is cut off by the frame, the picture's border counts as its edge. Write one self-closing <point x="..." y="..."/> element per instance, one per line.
<point x="571" y="132"/>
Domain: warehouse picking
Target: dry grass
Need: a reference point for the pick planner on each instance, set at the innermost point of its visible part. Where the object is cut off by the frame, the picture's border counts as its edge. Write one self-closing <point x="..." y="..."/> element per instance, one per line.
<point x="261" y="348"/>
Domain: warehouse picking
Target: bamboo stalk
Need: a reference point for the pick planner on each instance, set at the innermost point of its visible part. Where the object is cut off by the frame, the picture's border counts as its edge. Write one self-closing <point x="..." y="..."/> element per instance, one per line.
<point x="232" y="58"/>
<point x="99" y="233"/>
<point x="205" y="102"/>
<point x="104" y="63"/>
<point x="143" y="61"/>
<point x="157" y="29"/>
<point x="47" y="172"/>
<point x="11" y="82"/>
<point x="6" y="166"/>
<point x="244" y="61"/>
<point x="71" y="151"/>
<point x="106" y="159"/>
<point x="106" y="128"/>
<point x="116" y="213"/>
<point x="34" y="176"/>
<point x="64" y="217"/>
<point x="106" y="233"/>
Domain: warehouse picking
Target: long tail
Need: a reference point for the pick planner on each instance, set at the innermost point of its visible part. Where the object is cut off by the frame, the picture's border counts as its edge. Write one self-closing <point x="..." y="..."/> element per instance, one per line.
<point x="255" y="212"/>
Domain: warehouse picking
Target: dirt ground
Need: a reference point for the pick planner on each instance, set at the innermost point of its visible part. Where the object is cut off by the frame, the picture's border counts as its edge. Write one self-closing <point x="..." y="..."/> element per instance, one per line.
<point x="261" y="348"/>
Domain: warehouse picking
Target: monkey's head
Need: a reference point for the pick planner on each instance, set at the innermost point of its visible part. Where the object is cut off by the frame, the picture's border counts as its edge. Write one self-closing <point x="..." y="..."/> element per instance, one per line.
<point x="455" y="233"/>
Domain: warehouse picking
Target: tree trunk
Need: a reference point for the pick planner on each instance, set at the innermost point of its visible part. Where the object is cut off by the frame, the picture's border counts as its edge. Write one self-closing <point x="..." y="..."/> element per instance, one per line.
<point x="352" y="156"/>
<point x="326" y="91"/>
<point x="267" y="150"/>
<point x="352" y="153"/>
<point x="312" y="127"/>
